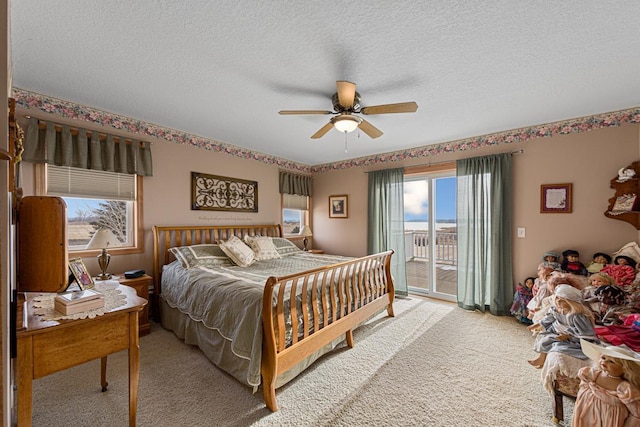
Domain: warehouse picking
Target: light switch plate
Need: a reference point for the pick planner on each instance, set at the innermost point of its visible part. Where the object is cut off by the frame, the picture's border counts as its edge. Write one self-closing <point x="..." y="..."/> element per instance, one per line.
<point x="521" y="232"/>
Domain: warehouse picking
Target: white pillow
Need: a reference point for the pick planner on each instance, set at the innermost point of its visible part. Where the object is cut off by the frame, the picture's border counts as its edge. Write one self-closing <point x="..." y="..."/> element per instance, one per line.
<point x="239" y="253"/>
<point x="205" y="255"/>
<point x="263" y="247"/>
<point x="285" y="247"/>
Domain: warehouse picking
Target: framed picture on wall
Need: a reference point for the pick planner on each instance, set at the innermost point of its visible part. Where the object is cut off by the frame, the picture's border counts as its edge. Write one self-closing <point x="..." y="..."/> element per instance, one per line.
<point x="555" y="198"/>
<point x="338" y="207"/>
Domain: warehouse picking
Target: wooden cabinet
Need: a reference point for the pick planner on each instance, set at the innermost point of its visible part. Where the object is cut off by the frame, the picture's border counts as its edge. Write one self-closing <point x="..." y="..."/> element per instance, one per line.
<point x="315" y="251"/>
<point x="141" y="285"/>
<point x="630" y="186"/>
<point x="42" y="244"/>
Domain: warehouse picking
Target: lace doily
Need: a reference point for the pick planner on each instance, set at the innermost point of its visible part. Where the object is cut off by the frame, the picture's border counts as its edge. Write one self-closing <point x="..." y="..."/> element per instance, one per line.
<point x="113" y="298"/>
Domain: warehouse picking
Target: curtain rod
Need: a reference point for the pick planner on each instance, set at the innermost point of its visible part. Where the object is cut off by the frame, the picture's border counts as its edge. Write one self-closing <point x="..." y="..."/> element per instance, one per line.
<point x="520" y="151"/>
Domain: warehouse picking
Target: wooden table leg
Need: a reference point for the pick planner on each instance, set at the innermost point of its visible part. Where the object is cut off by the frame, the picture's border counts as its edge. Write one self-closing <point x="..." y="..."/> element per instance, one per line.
<point x="103" y="374"/>
<point x="134" y="367"/>
<point x="25" y="381"/>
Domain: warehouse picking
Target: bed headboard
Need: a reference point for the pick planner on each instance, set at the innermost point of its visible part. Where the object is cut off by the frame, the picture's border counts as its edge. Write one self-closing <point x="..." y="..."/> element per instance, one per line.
<point x="165" y="237"/>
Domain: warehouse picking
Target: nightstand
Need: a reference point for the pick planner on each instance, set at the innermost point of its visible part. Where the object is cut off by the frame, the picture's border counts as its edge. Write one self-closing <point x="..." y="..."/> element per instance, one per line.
<point x="315" y="251"/>
<point x="141" y="285"/>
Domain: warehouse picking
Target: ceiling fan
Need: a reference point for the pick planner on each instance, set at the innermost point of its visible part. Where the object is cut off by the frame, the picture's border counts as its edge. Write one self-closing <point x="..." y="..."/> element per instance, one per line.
<point x="346" y="103"/>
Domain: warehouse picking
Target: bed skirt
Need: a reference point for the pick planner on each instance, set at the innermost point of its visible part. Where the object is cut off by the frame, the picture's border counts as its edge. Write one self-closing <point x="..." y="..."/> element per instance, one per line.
<point x="218" y="349"/>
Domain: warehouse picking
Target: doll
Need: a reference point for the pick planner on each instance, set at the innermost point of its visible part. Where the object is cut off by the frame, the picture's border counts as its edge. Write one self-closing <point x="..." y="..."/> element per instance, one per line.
<point x="588" y="293"/>
<point x="540" y="290"/>
<point x="571" y="263"/>
<point x="565" y="323"/>
<point x="613" y="307"/>
<point x="521" y="298"/>
<point x="623" y="270"/>
<point x="599" y="260"/>
<point x="555" y="279"/>
<point x="550" y="259"/>
<point x="609" y="393"/>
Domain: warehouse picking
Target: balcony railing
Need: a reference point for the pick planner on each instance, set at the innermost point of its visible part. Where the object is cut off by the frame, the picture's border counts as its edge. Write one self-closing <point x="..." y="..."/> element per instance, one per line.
<point x="446" y="246"/>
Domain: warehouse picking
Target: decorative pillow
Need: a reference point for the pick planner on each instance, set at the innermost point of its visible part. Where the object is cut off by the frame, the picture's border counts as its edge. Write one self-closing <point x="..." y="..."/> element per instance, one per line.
<point x="239" y="253"/>
<point x="285" y="247"/>
<point x="200" y="256"/>
<point x="263" y="248"/>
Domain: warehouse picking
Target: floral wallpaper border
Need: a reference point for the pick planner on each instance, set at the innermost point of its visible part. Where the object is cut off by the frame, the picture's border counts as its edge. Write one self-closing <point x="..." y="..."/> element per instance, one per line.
<point x="28" y="99"/>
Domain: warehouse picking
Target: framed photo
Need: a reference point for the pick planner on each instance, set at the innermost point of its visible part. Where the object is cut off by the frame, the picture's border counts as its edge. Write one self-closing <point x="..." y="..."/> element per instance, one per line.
<point x="338" y="207"/>
<point x="555" y="198"/>
<point x="80" y="273"/>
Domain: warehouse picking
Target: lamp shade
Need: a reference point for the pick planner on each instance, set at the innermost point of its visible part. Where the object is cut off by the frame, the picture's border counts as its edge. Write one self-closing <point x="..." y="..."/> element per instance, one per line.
<point x="102" y="239"/>
<point x="306" y="231"/>
<point x="345" y="123"/>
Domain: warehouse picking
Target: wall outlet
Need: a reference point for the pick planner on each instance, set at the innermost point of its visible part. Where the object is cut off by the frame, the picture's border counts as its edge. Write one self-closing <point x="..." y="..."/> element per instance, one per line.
<point x="521" y="232"/>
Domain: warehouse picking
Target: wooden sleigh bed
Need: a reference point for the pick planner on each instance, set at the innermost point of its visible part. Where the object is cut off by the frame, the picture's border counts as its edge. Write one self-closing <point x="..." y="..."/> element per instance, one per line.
<point x="300" y="315"/>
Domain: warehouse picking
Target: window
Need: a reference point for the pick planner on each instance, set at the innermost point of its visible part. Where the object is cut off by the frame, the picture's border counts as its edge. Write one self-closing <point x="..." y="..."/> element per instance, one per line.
<point x="295" y="213"/>
<point x="96" y="199"/>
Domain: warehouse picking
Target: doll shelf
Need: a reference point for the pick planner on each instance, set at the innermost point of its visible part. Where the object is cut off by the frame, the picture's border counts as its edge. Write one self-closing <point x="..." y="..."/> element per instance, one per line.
<point x="624" y="205"/>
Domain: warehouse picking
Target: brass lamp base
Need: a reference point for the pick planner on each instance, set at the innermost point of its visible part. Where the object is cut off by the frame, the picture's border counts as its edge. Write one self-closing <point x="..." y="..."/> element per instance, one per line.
<point x="103" y="263"/>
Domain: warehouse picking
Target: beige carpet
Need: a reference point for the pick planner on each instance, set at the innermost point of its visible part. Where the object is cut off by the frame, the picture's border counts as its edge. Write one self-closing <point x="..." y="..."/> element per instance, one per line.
<point x="431" y="365"/>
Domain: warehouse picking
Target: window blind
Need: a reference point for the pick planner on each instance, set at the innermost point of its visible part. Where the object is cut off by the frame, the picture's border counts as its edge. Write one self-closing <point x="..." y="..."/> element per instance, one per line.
<point x="295" y="201"/>
<point x="92" y="184"/>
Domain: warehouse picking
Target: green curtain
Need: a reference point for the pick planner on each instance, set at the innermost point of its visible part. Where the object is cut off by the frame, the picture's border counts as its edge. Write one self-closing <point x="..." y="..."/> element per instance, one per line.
<point x="292" y="183"/>
<point x="484" y="234"/>
<point x="48" y="142"/>
<point x="386" y="221"/>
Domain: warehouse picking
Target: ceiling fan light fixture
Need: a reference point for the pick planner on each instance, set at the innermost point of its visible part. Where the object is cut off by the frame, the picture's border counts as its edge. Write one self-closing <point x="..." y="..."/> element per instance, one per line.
<point x="345" y="123"/>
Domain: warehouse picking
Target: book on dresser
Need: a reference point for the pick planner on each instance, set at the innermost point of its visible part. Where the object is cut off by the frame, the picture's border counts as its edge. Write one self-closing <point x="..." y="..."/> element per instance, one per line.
<point x="77" y="302"/>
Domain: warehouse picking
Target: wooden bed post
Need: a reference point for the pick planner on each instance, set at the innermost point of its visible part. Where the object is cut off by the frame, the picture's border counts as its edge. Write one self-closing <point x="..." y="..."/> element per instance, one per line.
<point x="391" y="291"/>
<point x="269" y="368"/>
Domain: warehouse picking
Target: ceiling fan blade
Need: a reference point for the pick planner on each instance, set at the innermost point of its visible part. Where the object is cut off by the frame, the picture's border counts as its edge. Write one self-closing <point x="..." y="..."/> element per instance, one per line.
<point x="287" y="112"/>
<point x="369" y="129"/>
<point x="346" y="93"/>
<point x="323" y="130"/>
<point x="402" y="107"/>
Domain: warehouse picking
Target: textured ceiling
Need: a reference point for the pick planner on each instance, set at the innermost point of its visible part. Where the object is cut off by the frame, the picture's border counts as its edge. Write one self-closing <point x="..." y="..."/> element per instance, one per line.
<point x="223" y="69"/>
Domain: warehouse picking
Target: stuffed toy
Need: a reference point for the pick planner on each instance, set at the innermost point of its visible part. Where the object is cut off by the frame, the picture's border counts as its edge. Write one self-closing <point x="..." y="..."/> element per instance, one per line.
<point x="571" y="263"/>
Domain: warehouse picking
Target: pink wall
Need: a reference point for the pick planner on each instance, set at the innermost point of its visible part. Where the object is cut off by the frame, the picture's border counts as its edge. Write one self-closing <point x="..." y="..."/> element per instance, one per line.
<point x="588" y="160"/>
<point x="167" y="195"/>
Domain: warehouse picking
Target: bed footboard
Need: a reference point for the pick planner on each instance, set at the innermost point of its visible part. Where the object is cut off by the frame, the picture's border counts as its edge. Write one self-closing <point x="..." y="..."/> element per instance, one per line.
<point x="319" y="306"/>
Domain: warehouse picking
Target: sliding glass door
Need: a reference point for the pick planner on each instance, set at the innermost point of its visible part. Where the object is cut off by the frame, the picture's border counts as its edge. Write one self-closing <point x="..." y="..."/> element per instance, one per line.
<point x="430" y="234"/>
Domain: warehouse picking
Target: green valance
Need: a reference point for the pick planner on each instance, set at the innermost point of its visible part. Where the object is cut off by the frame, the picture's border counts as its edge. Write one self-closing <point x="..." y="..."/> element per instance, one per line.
<point x="63" y="145"/>
<point x="291" y="183"/>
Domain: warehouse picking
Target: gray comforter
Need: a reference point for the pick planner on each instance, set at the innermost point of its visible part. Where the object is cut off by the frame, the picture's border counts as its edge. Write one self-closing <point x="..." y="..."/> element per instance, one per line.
<point x="229" y="298"/>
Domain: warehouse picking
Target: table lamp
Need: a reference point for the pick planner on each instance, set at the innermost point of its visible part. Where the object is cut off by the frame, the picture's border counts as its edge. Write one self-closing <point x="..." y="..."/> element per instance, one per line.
<point x="306" y="232"/>
<point x="103" y="239"/>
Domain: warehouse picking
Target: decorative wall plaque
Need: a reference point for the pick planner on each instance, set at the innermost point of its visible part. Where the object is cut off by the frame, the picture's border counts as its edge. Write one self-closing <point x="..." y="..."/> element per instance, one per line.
<point x="220" y="193"/>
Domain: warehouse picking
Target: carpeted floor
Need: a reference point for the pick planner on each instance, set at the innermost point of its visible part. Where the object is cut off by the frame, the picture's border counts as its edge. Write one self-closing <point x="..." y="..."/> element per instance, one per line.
<point x="432" y="365"/>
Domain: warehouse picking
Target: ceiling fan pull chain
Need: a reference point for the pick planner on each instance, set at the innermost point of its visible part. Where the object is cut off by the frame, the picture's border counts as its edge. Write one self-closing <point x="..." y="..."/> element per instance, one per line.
<point x="345" y="141"/>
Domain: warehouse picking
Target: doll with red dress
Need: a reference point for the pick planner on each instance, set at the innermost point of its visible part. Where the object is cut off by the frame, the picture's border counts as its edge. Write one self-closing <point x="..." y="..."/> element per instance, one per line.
<point x="571" y="263"/>
<point x="623" y="270"/>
